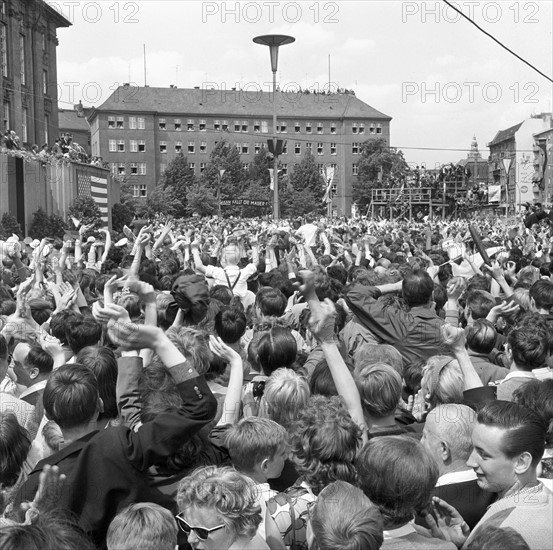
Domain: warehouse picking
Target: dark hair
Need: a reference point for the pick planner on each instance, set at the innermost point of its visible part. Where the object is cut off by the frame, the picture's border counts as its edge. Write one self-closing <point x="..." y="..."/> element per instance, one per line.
<point x="480" y="302"/>
<point x="529" y="347"/>
<point x="3" y="348"/>
<point x="222" y="293"/>
<point x="60" y="321"/>
<point x="524" y="430"/>
<point x="14" y="446"/>
<point x="338" y="272"/>
<point x="230" y="325"/>
<point x="417" y="288"/>
<point x="82" y="332"/>
<point x="537" y="395"/>
<point x="321" y="381"/>
<point x="271" y="302"/>
<point x="489" y="537"/>
<point x="277" y="348"/>
<point x="40" y="310"/>
<point x="398" y="475"/>
<point x="71" y="395"/>
<point x="542" y="292"/>
<point x="481" y="336"/>
<point x="103" y="363"/>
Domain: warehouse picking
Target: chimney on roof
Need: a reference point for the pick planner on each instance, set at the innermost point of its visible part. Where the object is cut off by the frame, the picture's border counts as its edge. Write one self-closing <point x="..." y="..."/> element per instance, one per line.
<point x="196" y="87"/>
<point x="126" y="85"/>
<point x="171" y="85"/>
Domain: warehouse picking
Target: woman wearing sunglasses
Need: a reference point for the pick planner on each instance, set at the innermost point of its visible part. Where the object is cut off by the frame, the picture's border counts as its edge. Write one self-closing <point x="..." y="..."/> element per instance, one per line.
<point x="218" y="510"/>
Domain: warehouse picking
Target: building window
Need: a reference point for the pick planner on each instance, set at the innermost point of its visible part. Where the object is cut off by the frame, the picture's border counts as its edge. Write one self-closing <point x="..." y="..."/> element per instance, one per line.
<point x="141" y="168"/>
<point x="134" y="169"/>
<point x="178" y="125"/>
<point x="6" y="113"/>
<point x="120" y="123"/>
<point x="224" y="125"/>
<point x="257" y="148"/>
<point x="284" y="169"/>
<point x="132" y="122"/>
<point x="320" y="148"/>
<point x="309" y="147"/>
<point x="319" y="127"/>
<point x="217" y="126"/>
<point x="162" y="124"/>
<point x="43" y="37"/>
<point x="202" y="125"/>
<point x="283" y="125"/>
<point x="297" y="128"/>
<point x="141" y="146"/>
<point x="4" y="49"/>
<point x="133" y="146"/>
<point x="379" y="128"/>
<point x="354" y="128"/>
<point x="203" y="147"/>
<point x="178" y="147"/>
<point x="163" y="147"/>
<point x="361" y="127"/>
<point x="264" y="127"/>
<point x="22" y="59"/>
<point x="143" y="190"/>
<point x="245" y="166"/>
<point x="256" y="126"/>
<point x="321" y="168"/>
<point x="236" y="125"/>
<point x="191" y="165"/>
<point x="191" y="147"/>
<point x="245" y="149"/>
<point x="24" y="115"/>
<point x="332" y="148"/>
<point x="355" y="148"/>
<point x="121" y="169"/>
<point x="45" y="82"/>
<point x="190" y="125"/>
<point x="141" y="123"/>
<point x="112" y="146"/>
<point x="135" y="191"/>
<point x="111" y="122"/>
<point x="244" y="126"/>
<point x="202" y="167"/>
<point x="285" y="148"/>
<point x="308" y="128"/>
<point x="354" y="169"/>
<point x="371" y="128"/>
<point x="332" y="127"/>
<point x="121" y="146"/>
<point x="46" y="129"/>
<point x="297" y="148"/>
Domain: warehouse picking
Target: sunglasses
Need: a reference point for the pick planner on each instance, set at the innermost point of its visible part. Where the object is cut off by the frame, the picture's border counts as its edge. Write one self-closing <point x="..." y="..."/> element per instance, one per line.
<point x="201" y="532"/>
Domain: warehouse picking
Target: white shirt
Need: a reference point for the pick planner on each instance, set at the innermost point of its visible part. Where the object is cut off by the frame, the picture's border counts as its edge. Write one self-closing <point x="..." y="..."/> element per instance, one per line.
<point x="456" y="477"/>
<point x="309" y="233"/>
<point x="233" y="272"/>
<point x="518" y="374"/>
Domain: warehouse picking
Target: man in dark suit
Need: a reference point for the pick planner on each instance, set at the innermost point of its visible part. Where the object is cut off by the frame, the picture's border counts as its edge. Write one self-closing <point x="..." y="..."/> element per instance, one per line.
<point x="447" y="438"/>
<point x="107" y="470"/>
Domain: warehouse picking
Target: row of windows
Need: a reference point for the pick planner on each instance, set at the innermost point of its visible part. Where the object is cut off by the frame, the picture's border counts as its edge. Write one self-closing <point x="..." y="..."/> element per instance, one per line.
<point x="139" y="123"/>
<point x="133" y="168"/>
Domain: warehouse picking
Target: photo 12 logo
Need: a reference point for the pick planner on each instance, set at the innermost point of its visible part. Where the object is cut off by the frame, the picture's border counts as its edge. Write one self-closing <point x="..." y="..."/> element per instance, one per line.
<point x="93" y="12"/>
<point x="270" y="12"/>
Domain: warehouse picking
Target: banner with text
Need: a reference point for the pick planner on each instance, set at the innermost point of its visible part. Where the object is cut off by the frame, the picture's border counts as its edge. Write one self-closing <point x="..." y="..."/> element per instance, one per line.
<point x="244" y="202"/>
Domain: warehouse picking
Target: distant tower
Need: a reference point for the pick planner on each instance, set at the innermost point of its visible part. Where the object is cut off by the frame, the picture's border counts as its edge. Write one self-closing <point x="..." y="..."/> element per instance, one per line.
<point x="474" y="153"/>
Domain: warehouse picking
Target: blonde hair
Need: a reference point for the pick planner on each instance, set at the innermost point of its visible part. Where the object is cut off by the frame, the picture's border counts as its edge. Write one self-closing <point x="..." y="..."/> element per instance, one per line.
<point x="442" y="381"/>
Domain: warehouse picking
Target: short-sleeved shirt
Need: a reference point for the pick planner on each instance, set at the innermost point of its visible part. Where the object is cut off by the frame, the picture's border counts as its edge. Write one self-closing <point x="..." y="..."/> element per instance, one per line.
<point x="237" y="277"/>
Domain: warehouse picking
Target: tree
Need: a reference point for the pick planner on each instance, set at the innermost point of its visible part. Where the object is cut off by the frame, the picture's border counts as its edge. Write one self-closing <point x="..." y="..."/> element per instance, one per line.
<point x="201" y="201"/>
<point x="257" y="185"/>
<point x="161" y="201"/>
<point x="379" y="166"/>
<point x="121" y="214"/>
<point x="40" y="226"/>
<point x="85" y="209"/>
<point x="181" y="178"/>
<point x="11" y="226"/>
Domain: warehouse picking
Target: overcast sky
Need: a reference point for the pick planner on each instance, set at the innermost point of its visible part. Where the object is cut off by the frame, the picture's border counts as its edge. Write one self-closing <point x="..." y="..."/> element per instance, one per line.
<point x="436" y="75"/>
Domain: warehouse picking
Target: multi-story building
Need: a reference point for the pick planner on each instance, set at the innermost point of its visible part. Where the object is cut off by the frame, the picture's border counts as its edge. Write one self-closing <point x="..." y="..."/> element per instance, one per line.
<point x="476" y="164"/>
<point x="511" y="162"/>
<point x="28" y="69"/>
<point x="543" y="165"/>
<point x="73" y="125"/>
<point x="140" y="130"/>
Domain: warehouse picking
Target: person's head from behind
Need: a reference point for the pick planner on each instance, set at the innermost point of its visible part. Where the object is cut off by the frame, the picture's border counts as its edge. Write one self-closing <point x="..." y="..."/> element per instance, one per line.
<point x="61" y="321"/>
<point x="323" y="442"/>
<point x="286" y="394"/>
<point x="541" y="295"/>
<point x="230" y="255"/>
<point x="442" y="381"/>
<point x="14" y="446"/>
<point x="222" y="293"/>
<point x="270" y="302"/>
<point x="447" y="435"/>
<point x="143" y="525"/>
<point x="230" y="324"/>
<point x="379" y="387"/>
<point x="490" y="537"/>
<point x="71" y="397"/>
<point x="369" y="354"/>
<point x="82" y="332"/>
<point x="321" y="381"/>
<point x="343" y="518"/>
<point x="418" y="289"/>
<point x="277" y="348"/>
<point x="217" y="507"/>
<point x="481" y="336"/>
<point x="258" y="448"/>
<point x="508" y="444"/>
<point x="527" y="348"/>
<point x="103" y="363"/>
<point x="398" y="475"/>
<point x="478" y="305"/>
<point x="194" y="345"/>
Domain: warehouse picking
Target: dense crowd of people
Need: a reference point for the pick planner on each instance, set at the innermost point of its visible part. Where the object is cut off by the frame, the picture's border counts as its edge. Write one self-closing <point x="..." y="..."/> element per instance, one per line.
<point x="340" y="384"/>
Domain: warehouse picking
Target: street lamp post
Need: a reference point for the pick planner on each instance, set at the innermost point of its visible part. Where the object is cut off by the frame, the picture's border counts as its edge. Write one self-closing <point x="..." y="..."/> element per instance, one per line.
<point x="274" y="41"/>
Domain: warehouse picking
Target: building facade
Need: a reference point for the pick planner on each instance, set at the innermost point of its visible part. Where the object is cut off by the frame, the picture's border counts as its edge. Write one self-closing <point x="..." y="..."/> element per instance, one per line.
<point x="140" y="130"/>
<point x="543" y="165"/>
<point x="75" y="127"/>
<point x="476" y="164"/>
<point x="28" y="69"/>
<point x="511" y="161"/>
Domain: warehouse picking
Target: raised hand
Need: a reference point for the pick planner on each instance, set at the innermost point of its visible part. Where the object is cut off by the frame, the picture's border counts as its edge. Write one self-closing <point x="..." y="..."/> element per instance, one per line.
<point x="221" y="350"/>
<point x="448" y="525"/>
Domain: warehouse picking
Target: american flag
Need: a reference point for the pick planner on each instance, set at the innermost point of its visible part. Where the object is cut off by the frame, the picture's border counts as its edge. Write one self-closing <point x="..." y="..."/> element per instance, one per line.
<point x="97" y="188"/>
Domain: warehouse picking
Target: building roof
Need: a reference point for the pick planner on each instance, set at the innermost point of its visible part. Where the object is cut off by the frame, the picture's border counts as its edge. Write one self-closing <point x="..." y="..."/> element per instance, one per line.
<point x="237" y="103"/>
<point x="54" y="14"/>
<point x="504" y="135"/>
<point x="68" y="120"/>
<point x="543" y="133"/>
